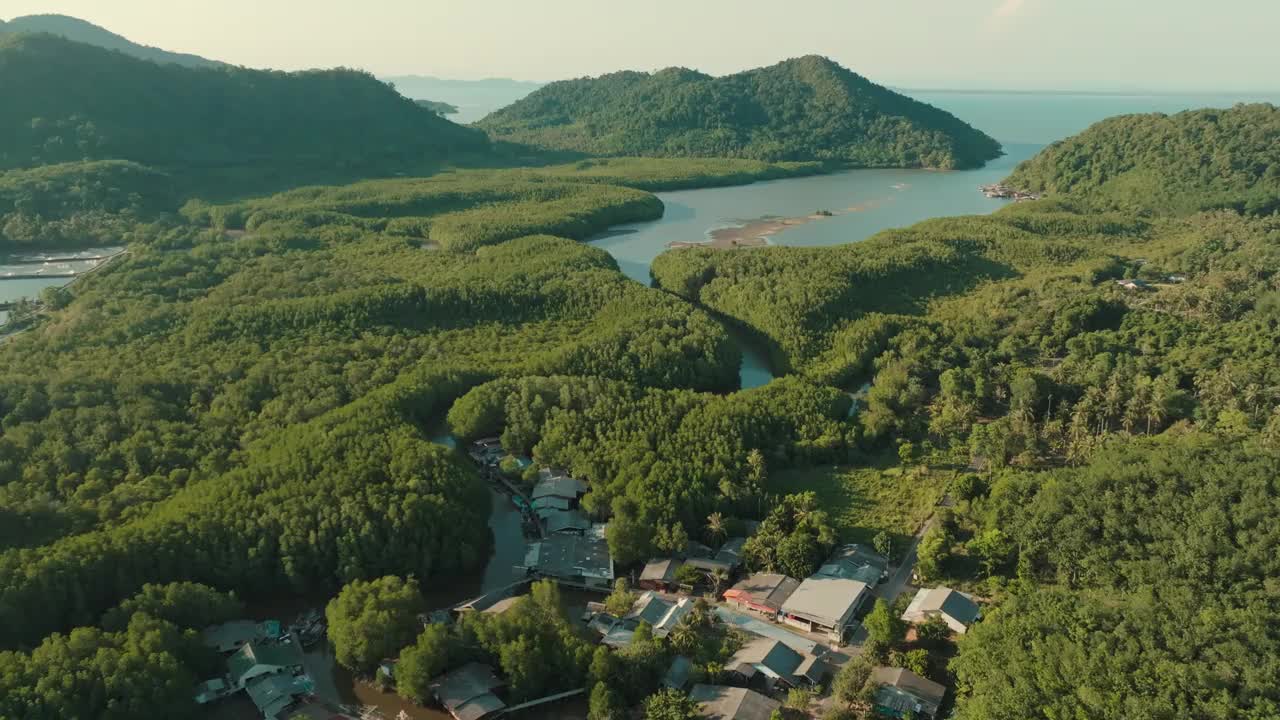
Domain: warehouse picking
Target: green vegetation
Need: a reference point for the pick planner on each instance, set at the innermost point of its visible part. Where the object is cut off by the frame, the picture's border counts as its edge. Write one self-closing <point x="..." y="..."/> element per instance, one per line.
<point x="80" y="204"/>
<point x="145" y="662"/>
<point x="866" y="501"/>
<point x="370" y="621"/>
<point x="804" y="109"/>
<point x="793" y="540"/>
<point x="211" y="125"/>
<point x="437" y="107"/>
<point x="1183" y="163"/>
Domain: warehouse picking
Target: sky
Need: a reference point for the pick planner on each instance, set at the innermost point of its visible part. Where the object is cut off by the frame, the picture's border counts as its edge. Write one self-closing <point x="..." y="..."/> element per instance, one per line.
<point x="1105" y="45"/>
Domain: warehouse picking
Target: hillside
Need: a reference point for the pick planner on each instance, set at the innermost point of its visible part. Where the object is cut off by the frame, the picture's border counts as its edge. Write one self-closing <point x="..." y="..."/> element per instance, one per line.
<point x="86" y="32"/>
<point x="804" y="109"/>
<point x="1190" y="161"/>
<point x="67" y="101"/>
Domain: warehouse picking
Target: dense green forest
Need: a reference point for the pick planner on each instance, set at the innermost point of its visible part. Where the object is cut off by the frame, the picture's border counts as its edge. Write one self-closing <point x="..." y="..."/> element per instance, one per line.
<point x="244" y="403"/>
<point x="804" y="109"/>
<point x="67" y="102"/>
<point x="1191" y="161"/>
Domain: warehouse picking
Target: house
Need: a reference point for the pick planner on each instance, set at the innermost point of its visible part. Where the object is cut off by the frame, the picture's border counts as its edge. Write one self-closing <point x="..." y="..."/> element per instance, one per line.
<point x="902" y="691"/>
<point x="763" y="592"/>
<point x="569" y="521"/>
<point x="467" y="692"/>
<point x="1132" y="284"/>
<point x="566" y="488"/>
<point x="256" y="659"/>
<point x="856" y="562"/>
<point x="726" y="560"/>
<point x="717" y="702"/>
<point x="661" y="614"/>
<point x="958" y="610"/>
<point x="823" y="603"/>
<point x="677" y="675"/>
<point x="581" y="561"/>
<point x="660" y="575"/>
<point x="275" y="694"/>
<point x="764" y="663"/>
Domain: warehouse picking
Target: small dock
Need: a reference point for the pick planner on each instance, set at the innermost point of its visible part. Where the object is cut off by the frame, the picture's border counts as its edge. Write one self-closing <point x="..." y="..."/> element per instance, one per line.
<point x="544" y="700"/>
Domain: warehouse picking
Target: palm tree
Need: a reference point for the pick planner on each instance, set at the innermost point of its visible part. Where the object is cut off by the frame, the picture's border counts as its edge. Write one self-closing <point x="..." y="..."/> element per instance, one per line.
<point x="715" y="526"/>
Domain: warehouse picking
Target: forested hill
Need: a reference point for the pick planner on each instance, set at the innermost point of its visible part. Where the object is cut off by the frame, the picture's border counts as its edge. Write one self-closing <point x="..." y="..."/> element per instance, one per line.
<point x="804" y="109"/>
<point x="86" y="32"/>
<point x="1195" y="160"/>
<point x="67" y="101"/>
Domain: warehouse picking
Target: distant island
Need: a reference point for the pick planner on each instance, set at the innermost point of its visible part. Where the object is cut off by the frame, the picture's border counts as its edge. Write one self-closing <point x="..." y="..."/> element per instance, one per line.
<point x="473" y="98"/>
<point x="86" y="32"/>
<point x="809" y="108"/>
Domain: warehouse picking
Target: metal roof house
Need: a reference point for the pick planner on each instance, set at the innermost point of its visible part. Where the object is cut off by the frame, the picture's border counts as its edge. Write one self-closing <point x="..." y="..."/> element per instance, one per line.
<point x="856" y="562"/>
<point x="727" y="559"/>
<point x="718" y="702"/>
<point x="902" y="691"/>
<point x="763" y="592"/>
<point x="660" y="574"/>
<point x="230" y="636"/>
<point x="561" y="487"/>
<point x="823" y="603"/>
<point x="581" y="561"/>
<point x="765" y="662"/>
<point x="255" y="660"/>
<point x="958" y="610"/>
<point x="274" y="695"/>
<point x="467" y="692"/>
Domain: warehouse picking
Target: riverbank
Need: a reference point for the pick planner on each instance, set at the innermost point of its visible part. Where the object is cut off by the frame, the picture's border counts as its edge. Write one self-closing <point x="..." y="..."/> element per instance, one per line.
<point x="756" y="233"/>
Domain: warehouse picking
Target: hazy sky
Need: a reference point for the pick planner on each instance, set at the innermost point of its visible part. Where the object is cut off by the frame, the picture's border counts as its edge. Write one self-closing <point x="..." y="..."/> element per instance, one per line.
<point x="1189" y="45"/>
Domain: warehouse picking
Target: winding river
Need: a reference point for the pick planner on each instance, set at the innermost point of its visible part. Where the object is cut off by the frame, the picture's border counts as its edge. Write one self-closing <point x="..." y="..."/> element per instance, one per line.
<point x="861" y="203"/>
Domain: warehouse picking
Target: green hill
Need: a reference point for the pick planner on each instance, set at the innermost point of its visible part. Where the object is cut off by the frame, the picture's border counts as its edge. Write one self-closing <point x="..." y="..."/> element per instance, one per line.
<point x="70" y="102"/>
<point x="86" y="32"/>
<point x="1195" y="160"/>
<point x="804" y="109"/>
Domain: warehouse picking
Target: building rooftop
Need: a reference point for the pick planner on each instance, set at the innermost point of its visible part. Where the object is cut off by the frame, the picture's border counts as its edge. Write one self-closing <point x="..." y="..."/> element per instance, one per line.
<point x="772" y="657"/>
<point x="663" y="570"/>
<point x="768" y="589"/>
<point x="254" y="654"/>
<point x="856" y="562"/>
<point x="660" y="613"/>
<point x="718" y="702"/>
<point x="467" y="692"/>
<point x="825" y="599"/>
<point x="274" y="693"/>
<point x="945" y="601"/>
<point x="903" y="690"/>
<point x="566" y="521"/>
<point x="564" y="487"/>
<point x="570" y="556"/>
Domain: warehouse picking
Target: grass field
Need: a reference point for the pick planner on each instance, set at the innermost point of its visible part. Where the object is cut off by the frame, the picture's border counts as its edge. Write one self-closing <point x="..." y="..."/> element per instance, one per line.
<point x="864" y="500"/>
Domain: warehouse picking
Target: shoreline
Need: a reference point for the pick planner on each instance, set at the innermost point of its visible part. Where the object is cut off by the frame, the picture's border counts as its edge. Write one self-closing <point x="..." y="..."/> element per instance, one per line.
<point x="757" y="232"/>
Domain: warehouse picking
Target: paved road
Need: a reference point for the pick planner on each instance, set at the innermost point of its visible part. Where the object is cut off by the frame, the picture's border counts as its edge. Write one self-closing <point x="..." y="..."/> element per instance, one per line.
<point x="900" y="580"/>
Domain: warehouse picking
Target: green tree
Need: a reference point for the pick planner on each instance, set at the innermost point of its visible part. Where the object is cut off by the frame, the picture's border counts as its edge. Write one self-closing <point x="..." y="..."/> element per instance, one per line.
<point x="883" y="625"/>
<point x="373" y="620"/>
<point x="670" y="705"/>
<point x="621" y="599"/>
<point x="604" y="704"/>
<point x="429" y="657"/>
<point x="883" y="543"/>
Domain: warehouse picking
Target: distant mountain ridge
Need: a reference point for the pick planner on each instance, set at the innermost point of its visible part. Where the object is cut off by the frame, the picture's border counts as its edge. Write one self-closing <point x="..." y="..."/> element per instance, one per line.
<point x="69" y="102"/>
<point x="86" y="32"/>
<point x="808" y="108"/>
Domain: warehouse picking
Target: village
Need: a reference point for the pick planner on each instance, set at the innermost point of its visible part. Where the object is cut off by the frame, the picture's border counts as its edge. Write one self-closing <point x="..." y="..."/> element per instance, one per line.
<point x="792" y="636"/>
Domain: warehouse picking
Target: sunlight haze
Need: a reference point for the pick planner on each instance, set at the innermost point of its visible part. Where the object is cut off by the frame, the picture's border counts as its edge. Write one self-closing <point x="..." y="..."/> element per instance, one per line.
<point x="1162" y="45"/>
